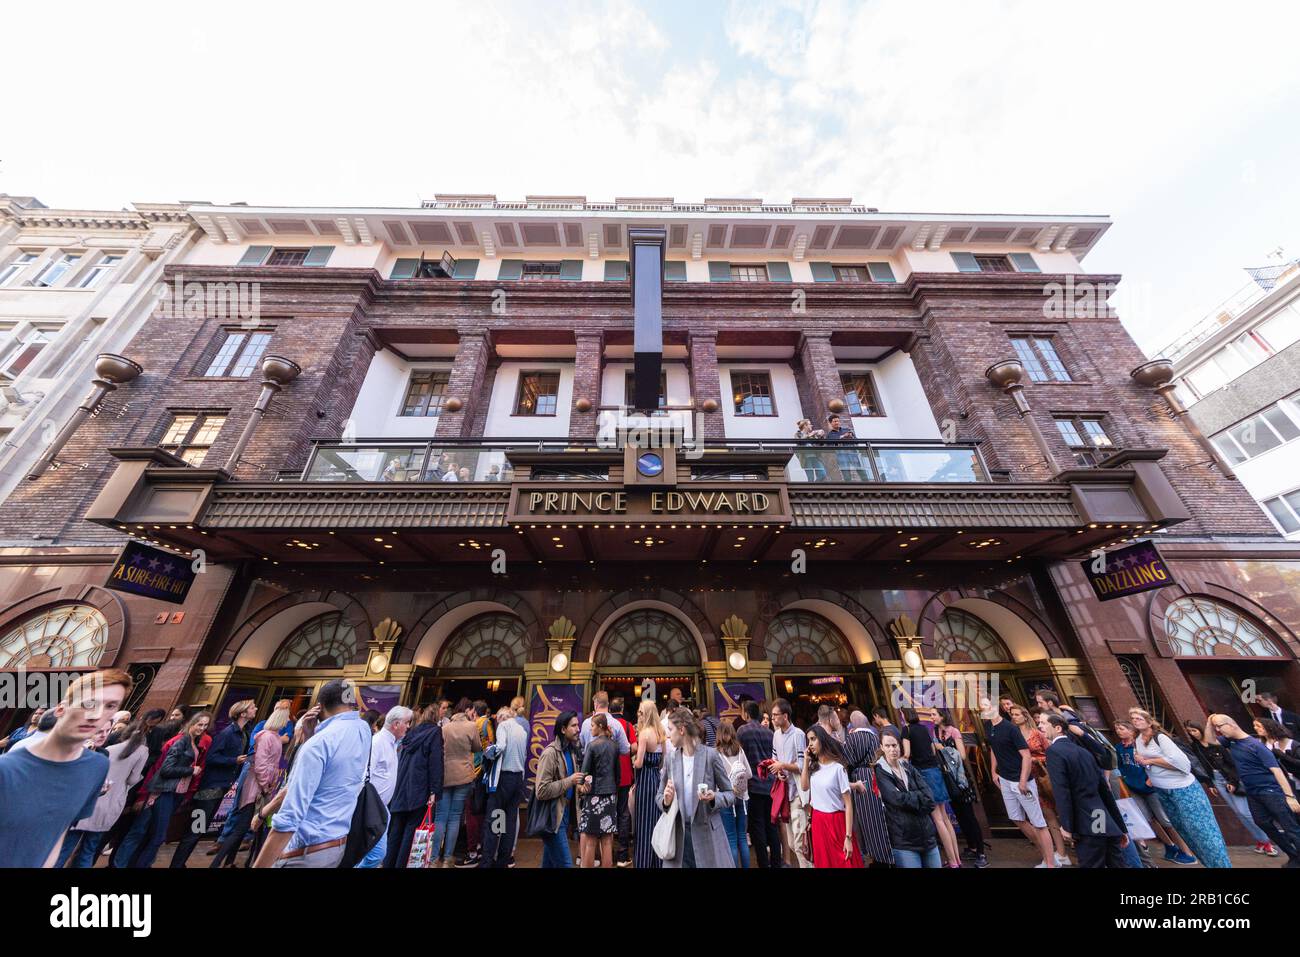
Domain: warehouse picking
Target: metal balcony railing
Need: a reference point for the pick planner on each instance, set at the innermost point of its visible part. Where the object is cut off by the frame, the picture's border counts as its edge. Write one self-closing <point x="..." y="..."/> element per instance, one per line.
<point x="486" y="460"/>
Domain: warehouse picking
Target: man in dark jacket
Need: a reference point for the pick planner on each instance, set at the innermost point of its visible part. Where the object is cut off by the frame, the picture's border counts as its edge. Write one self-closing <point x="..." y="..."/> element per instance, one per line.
<point x="419" y="785"/>
<point x="225" y="758"/>
<point x="1084" y="802"/>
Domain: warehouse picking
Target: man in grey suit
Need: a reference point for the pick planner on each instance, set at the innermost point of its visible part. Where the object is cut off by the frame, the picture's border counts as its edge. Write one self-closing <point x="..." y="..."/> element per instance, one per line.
<point x="699" y="780"/>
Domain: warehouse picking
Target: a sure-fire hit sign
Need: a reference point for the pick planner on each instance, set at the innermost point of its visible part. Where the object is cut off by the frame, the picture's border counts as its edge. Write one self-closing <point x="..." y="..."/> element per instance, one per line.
<point x="1129" y="570"/>
<point x="153" y="573"/>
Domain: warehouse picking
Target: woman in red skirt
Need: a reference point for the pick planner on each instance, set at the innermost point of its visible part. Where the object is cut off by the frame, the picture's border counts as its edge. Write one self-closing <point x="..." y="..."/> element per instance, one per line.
<point x="826" y="776"/>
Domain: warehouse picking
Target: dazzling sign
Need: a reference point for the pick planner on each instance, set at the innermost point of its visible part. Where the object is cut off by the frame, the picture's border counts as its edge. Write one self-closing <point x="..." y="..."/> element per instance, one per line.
<point x="151" y="572"/>
<point x="1129" y="571"/>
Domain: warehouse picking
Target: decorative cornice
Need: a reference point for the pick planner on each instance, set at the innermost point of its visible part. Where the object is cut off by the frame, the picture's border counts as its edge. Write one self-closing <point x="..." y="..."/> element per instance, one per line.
<point x="930" y="506"/>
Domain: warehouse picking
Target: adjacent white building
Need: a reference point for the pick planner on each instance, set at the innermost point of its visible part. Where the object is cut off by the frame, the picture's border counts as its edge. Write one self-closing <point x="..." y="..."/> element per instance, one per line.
<point x="1238" y="372"/>
<point x="73" y="284"/>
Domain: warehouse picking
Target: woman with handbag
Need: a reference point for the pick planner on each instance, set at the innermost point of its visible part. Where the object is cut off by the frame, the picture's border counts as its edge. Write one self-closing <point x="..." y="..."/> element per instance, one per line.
<point x="1140" y="788"/>
<point x="559" y="772"/>
<point x="258" y="785"/>
<point x="1026" y="720"/>
<point x="646" y="767"/>
<point x="182" y="765"/>
<point x="824" y="785"/>
<point x="697" y="783"/>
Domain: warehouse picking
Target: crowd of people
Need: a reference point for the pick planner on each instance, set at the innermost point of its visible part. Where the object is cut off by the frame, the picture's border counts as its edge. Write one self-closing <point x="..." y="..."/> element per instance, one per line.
<point x="677" y="788"/>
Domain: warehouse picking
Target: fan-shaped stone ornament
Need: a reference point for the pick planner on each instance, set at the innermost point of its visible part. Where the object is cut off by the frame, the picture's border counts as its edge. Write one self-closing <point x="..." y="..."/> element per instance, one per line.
<point x="387" y="630"/>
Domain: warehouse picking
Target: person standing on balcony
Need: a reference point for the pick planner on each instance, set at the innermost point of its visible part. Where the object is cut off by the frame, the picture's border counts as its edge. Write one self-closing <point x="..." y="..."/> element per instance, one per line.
<point x="835" y="431"/>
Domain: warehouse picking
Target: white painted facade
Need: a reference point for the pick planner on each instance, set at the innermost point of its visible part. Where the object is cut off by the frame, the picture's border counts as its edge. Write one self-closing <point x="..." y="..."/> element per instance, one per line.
<point x="57" y="313"/>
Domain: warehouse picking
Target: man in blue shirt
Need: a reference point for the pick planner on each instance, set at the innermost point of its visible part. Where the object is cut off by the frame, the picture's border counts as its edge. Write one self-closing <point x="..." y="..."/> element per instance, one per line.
<point x="310" y="829"/>
<point x="47" y="788"/>
<point x="1273" y="804"/>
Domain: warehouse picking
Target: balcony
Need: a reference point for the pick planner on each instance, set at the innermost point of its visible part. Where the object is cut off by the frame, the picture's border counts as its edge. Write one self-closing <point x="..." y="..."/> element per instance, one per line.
<point x="488" y="460"/>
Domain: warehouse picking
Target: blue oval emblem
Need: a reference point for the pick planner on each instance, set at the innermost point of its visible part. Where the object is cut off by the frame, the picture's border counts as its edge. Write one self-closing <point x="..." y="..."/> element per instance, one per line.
<point x="649" y="464"/>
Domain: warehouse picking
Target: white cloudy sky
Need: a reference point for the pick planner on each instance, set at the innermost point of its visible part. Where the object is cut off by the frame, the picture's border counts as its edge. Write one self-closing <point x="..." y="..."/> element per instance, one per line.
<point x="1177" y="119"/>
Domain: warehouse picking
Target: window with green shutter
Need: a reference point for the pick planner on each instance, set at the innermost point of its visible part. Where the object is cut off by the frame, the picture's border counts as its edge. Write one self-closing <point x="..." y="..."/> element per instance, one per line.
<point x="674" y="271"/>
<point x="571" y="269"/>
<point x="318" y="255"/>
<point x="404" y="269"/>
<point x="511" y="269"/>
<point x="881" y="272"/>
<point x="255" y="255"/>
<point x="965" y="262"/>
<point x="719" y="272"/>
<point x="823" y="272"/>
<point x="778" y="272"/>
<point x="615" y="270"/>
<point x="1024" y="262"/>
<point x="465" y="269"/>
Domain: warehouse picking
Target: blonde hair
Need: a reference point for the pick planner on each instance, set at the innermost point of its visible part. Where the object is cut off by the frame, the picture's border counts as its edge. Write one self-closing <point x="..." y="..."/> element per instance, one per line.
<point x="647" y="716"/>
<point x="279" y="718"/>
<point x="240" y="706"/>
<point x="1155" y="729"/>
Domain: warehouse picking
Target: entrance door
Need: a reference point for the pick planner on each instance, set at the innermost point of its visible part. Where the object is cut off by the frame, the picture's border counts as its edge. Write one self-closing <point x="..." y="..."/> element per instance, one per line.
<point x="497" y="691"/>
<point x="807" y="693"/>
<point x="1225" y="691"/>
<point x="631" y="687"/>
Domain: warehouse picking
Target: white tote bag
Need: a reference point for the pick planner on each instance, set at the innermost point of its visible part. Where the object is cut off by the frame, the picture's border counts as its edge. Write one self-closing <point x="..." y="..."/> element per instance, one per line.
<point x="664" y="840"/>
<point x="1135" y="820"/>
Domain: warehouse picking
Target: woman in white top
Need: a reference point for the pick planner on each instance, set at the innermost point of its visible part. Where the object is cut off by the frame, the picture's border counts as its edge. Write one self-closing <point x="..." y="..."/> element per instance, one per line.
<point x="825" y="786"/>
<point x="735" y="819"/>
<point x="1169" y="771"/>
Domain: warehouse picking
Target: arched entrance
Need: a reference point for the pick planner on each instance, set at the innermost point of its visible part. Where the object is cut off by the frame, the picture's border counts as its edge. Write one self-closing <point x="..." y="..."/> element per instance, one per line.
<point x="1226" y="655"/>
<point x="313" y="653"/>
<point x="813" y="665"/>
<point x="482" y="659"/>
<point x="648" y="642"/>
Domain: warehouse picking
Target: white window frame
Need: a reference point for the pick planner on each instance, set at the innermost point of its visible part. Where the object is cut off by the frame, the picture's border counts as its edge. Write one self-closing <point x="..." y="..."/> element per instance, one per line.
<point x="17" y="344"/>
<point x="1289" y="406"/>
<point x="100" y="268"/>
<point x="65" y="264"/>
<point x="12" y="270"/>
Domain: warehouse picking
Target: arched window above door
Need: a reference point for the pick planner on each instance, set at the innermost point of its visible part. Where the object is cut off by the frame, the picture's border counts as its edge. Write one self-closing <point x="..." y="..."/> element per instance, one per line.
<point x="802" y="638"/>
<point x="324" y="642"/>
<point x="1200" y="626"/>
<point x="67" y="636"/>
<point x="960" y="636"/>
<point x="487" y="642"/>
<point x="648" y="638"/>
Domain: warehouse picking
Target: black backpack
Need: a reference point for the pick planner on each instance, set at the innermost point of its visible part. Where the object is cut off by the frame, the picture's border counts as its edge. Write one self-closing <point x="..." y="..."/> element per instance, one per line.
<point x="369" y="822"/>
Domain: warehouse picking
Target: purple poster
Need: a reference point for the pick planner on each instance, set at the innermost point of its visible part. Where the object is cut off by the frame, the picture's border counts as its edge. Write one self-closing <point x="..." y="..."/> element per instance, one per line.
<point x="549" y="701"/>
<point x="151" y="572"/>
<point x="380" y="697"/>
<point x="729" y="697"/>
<point x="1130" y="570"/>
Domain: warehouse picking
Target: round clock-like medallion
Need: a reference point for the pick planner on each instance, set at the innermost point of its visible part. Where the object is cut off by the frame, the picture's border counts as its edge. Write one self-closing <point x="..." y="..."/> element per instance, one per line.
<point x="650" y="464"/>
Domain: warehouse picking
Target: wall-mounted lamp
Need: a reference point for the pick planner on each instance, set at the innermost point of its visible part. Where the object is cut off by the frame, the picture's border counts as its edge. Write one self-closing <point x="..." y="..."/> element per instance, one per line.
<point x="1007" y="375"/>
<point x="1158" y="374"/>
<point x="737" y="661"/>
<point x="277" y="372"/>
<point x="110" y="372"/>
<point x="559" y="661"/>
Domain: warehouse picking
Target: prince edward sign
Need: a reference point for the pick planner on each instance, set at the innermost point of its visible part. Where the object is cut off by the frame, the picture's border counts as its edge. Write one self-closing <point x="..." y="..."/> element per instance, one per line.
<point x="1136" y="568"/>
<point x="153" y="573"/>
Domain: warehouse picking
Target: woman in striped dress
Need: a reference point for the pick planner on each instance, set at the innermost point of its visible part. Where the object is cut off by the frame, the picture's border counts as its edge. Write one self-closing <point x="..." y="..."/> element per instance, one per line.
<point x="861" y="746"/>
<point x="647" y="764"/>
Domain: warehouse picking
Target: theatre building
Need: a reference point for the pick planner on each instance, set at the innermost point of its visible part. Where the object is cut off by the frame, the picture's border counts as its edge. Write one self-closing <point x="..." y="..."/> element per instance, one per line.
<point x="489" y="448"/>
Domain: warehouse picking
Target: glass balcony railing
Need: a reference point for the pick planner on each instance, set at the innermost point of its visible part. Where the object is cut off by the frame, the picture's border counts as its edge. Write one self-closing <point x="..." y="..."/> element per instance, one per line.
<point x="487" y="461"/>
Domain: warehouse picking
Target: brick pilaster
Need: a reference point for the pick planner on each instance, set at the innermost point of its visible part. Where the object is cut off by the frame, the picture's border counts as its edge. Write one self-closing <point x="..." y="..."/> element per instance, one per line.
<point x="705" y="384"/>
<point x="587" y="370"/>
<point x="468" y="375"/>
<point x="821" y="376"/>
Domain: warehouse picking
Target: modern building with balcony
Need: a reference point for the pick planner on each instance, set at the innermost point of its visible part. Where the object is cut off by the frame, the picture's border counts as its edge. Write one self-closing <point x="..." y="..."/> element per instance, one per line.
<point x="1238" y="373"/>
<point x="485" y="448"/>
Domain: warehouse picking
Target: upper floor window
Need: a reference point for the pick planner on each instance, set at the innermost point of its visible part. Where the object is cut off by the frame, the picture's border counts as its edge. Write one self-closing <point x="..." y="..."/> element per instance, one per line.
<point x="190" y="434"/>
<point x="541" y="270"/>
<point x="1285" y="510"/>
<point x="19" y="352"/>
<point x="982" y="262"/>
<point x="239" y="354"/>
<point x="753" y="272"/>
<point x="95" y="274"/>
<point x="539" y="393"/>
<point x="287" y="257"/>
<point x="860" y="393"/>
<point x="1267" y="430"/>
<point x="1039" y="358"/>
<point x="629" y="389"/>
<point x="57" y="269"/>
<point x="752" y="393"/>
<point x="1086" y="437"/>
<point x="425" y="393"/>
<point x="16" y="267"/>
<point x="850" y="274"/>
